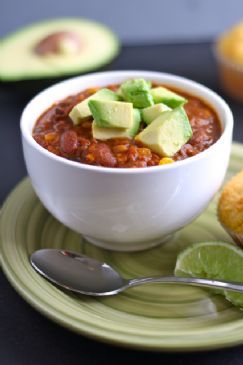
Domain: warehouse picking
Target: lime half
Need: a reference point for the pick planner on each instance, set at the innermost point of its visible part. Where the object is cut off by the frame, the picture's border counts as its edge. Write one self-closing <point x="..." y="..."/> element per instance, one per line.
<point x="213" y="260"/>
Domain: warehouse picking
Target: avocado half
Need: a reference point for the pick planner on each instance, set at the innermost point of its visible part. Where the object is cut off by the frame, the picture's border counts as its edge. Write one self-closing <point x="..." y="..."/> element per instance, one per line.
<point x="56" y="48"/>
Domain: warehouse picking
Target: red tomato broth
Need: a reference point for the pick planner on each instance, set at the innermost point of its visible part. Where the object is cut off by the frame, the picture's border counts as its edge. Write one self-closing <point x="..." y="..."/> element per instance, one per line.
<point x="55" y="131"/>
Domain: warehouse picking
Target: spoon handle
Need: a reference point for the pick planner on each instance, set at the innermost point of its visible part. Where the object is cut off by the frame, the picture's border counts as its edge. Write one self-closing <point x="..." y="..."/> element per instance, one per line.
<point x="208" y="283"/>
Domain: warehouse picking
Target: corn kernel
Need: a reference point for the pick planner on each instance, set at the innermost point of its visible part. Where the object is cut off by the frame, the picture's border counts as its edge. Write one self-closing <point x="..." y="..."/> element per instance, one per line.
<point x="165" y="160"/>
<point x="120" y="148"/>
<point x="90" y="157"/>
<point x="93" y="90"/>
<point x="144" y="152"/>
<point x="50" y="137"/>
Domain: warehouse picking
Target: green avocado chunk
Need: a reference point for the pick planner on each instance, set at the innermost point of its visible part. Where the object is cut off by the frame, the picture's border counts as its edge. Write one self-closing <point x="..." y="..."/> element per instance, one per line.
<point x="167" y="133"/>
<point x="162" y="95"/>
<point x="112" y="114"/>
<point x="108" y="133"/>
<point x="71" y="46"/>
<point x="137" y="91"/>
<point x="82" y="110"/>
<point x="152" y="112"/>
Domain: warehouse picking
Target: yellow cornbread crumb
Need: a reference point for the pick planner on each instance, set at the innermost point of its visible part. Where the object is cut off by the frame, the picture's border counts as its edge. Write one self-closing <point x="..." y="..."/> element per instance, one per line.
<point x="230" y="44"/>
<point x="230" y="206"/>
<point x="165" y="160"/>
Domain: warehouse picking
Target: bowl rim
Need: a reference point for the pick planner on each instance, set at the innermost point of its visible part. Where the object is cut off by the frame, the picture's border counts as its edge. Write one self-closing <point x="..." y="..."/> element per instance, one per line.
<point x="26" y="134"/>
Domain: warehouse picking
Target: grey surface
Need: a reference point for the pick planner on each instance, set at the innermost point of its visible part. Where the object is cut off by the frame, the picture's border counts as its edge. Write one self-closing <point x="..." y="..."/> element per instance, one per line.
<point x="133" y="20"/>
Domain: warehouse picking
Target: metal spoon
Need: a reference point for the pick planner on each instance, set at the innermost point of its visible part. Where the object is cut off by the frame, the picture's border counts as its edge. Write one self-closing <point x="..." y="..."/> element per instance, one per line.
<point x="88" y="276"/>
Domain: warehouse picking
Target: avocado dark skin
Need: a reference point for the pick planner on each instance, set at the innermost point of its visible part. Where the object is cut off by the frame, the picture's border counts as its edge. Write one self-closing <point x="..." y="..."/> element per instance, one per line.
<point x="57" y="49"/>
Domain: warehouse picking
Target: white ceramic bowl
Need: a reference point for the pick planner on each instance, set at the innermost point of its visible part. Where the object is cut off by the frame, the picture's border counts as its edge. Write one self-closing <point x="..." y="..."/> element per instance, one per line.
<point x="125" y="209"/>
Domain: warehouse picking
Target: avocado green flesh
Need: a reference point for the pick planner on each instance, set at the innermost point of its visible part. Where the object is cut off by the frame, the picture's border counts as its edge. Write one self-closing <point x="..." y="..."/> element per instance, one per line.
<point x="162" y="95"/>
<point x="141" y="100"/>
<point x="151" y="113"/>
<point x="109" y="133"/>
<point x="18" y="61"/>
<point x="137" y="92"/>
<point x="82" y="110"/>
<point x="112" y="114"/>
<point x="167" y="133"/>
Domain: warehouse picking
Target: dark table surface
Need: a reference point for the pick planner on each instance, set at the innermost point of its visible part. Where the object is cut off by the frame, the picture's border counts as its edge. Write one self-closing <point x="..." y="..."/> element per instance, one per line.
<point x="26" y="337"/>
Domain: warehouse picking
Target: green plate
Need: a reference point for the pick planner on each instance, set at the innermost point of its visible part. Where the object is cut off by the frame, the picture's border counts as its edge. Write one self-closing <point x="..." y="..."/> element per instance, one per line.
<point x="152" y="317"/>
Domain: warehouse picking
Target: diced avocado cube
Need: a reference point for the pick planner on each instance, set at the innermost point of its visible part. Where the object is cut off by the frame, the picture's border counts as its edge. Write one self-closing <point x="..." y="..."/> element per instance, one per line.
<point x="112" y="114"/>
<point x="137" y="91"/>
<point x="108" y="133"/>
<point x="81" y="110"/>
<point x="162" y="95"/>
<point x="167" y="133"/>
<point x="137" y="116"/>
<point x="152" y="112"/>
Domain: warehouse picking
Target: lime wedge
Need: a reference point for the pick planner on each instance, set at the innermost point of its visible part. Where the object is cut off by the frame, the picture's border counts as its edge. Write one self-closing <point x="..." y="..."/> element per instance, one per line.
<point x="213" y="260"/>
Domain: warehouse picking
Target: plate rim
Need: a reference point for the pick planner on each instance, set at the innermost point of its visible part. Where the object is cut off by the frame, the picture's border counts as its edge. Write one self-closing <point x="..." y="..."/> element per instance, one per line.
<point x="44" y="309"/>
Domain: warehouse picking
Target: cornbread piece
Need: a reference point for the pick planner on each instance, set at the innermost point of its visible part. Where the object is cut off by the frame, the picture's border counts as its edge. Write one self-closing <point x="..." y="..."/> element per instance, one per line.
<point x="230" y="44"/>
<point x="229" y="54"/>
<point x="230" y="207"/>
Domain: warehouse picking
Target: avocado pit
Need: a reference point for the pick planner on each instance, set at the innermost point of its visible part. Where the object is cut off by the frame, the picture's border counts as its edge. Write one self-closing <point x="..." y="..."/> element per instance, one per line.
<point x="58" y="43"/>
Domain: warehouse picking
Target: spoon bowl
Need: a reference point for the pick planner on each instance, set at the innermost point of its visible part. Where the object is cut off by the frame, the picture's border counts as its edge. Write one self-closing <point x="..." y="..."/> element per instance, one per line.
<point x="77" y="272"/>
<point x="85" y="275"/>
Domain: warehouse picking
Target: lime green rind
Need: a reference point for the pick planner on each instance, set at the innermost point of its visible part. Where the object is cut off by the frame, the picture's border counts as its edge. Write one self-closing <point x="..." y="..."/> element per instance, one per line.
<point x="154" y="317"/>
<point x="27" y="74"/>
<point x="215" y="260"/>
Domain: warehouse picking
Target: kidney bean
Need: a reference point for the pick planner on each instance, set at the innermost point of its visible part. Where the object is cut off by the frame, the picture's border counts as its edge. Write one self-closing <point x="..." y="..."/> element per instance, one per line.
<point x="69" y="141"/>
<point x="104" y="155"/>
